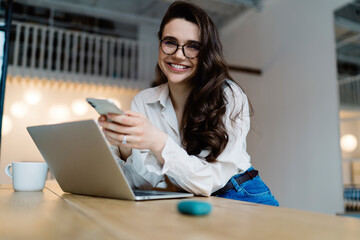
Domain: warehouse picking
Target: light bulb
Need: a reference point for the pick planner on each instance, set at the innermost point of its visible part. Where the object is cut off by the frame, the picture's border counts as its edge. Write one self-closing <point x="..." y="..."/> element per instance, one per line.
<point x="79" y="107"/>
<point x="6" y="125"/>
<point x="348" y="143"/>
<point x="32" y="96"/>
<point x="59" y="112"/>
<point x="19" y="109"/>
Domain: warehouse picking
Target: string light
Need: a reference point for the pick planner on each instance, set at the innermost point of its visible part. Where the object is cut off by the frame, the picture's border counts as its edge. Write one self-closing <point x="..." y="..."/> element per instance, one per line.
<point x="6" y="125"/>
<point x="32" y="96"/>
<point x="348" y="143"/>
<point x="19" y="109"/>
<point x="79" y="107"/>
<point x="59" y="112"/>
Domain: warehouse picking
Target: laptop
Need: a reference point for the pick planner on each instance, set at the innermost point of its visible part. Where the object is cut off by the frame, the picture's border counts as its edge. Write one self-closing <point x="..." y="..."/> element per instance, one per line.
<point x="79" y="157"/>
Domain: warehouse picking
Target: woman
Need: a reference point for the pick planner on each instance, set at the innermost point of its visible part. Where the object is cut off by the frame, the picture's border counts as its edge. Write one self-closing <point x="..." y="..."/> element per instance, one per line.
<point x="189" y="131"/>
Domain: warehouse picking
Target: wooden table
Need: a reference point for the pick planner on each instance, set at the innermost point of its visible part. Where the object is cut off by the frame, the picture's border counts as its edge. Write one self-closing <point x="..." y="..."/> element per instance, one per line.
<point x="53" y="214"/>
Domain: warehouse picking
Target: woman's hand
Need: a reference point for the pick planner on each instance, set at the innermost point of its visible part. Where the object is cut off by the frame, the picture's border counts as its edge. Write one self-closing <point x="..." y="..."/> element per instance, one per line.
<point x="125" y="152"/>
<point x="138" y="131"/>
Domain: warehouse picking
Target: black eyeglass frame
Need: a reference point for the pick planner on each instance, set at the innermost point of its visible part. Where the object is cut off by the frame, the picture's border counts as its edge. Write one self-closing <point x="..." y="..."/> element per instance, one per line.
<point x="177" y="48"/>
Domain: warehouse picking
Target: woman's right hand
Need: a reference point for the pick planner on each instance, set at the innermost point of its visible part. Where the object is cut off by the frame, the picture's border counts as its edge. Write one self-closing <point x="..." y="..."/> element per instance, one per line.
<point x="125" y="152"/>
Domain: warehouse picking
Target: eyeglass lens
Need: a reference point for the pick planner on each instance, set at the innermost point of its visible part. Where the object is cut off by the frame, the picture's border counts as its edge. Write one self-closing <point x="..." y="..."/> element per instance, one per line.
<point x="190" y="50"/>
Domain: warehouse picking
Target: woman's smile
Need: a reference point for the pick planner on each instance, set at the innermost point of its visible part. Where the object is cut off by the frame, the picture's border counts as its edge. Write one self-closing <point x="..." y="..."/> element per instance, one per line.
<point x="176" y="67"/>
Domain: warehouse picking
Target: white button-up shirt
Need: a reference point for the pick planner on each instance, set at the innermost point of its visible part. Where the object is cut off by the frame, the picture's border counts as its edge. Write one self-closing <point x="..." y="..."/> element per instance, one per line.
<point x="191" y="173"/>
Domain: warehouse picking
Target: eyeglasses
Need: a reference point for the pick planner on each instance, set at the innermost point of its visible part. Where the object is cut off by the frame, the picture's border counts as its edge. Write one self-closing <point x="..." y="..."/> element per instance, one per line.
<point x="190" y="50"/>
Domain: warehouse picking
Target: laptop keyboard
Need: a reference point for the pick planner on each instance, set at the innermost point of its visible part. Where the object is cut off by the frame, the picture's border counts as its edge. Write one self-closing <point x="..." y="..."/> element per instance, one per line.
<point x="147" y="193"/>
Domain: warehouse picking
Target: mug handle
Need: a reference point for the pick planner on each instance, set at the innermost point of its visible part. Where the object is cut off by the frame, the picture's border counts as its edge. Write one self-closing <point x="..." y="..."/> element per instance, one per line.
<point x="7" y="170"/>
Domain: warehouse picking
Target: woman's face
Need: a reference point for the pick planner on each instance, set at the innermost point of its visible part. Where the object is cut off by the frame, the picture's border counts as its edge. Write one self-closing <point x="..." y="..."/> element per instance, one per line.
<point x="177" y="68"/>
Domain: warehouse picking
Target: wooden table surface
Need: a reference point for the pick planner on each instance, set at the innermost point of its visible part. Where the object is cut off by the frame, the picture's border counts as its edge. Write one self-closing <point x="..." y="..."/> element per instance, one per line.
<point x="53" y="214"/>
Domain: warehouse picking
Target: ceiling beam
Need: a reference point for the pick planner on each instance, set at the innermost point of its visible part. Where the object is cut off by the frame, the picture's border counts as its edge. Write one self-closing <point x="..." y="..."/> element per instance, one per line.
<point x="347" y="41"/>
<point x="348" y="24"/>
<point x="92" y="11"/>
<point x="349" y="59"/>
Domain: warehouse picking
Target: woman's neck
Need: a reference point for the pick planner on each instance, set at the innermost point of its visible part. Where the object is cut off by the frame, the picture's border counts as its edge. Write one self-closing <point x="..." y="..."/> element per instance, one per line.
<point x="179" y="94"/>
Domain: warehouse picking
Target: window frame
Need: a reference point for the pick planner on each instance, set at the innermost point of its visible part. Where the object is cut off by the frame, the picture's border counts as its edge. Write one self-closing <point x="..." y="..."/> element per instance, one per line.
<point x="6" y="28"/>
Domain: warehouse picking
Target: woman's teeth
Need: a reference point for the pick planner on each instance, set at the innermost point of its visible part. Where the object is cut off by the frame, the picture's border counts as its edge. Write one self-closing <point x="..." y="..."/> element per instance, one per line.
<point x="177" y="66"/>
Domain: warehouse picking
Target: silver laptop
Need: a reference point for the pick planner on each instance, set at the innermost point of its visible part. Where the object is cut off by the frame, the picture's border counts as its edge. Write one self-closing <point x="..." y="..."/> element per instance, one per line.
<point x="81" y="161"/>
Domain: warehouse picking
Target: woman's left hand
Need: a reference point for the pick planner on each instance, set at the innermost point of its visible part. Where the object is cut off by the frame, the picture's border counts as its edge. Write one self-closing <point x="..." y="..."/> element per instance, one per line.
<point x="139" y="131"/>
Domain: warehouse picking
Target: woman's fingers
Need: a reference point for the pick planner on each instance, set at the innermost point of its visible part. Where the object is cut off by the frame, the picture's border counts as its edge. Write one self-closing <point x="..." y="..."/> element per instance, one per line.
<point x="119" y="139"/>
<point x="137" y="130"/>
<point x="134" y="114"/>
<point x="116" y="127"/>
<point x="126" y="120"/>
<point x="102" y="118"/>
<point x="132" y="126"/>
<point x="122" y="129"/>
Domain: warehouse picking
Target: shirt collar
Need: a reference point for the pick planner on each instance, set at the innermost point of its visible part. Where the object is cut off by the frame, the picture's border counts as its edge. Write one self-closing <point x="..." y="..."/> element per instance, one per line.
<point x="168" y="113"/>
<point x="161" y="95"/>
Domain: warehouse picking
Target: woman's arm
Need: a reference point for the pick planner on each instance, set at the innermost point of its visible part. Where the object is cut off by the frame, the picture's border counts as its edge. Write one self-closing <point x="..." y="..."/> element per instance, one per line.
<point x="194" y="173"/>
<point x="189" y="172"/>
<point x="140" y="135"/>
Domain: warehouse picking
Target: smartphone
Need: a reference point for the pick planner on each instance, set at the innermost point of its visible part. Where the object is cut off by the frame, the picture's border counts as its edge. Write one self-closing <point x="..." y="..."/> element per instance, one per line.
<point x="104" y="106"/>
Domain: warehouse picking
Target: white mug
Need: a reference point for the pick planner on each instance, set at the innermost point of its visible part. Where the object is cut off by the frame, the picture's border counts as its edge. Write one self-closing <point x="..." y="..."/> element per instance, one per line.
<point x="27" y="176"/>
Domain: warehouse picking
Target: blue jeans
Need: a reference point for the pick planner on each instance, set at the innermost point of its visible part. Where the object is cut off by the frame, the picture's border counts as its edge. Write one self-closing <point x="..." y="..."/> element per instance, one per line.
<point x="254" y="190"/>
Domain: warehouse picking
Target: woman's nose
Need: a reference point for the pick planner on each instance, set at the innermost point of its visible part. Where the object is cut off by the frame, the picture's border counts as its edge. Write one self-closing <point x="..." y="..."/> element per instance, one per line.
<point x="179" y="54"/>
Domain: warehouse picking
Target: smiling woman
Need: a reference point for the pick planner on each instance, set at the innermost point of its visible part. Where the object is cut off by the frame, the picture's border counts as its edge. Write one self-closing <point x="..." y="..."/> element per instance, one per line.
<point x="191" y="129"/>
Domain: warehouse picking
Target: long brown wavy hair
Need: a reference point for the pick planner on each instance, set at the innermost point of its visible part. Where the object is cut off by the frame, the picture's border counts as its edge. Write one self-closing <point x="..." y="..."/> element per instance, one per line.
<point x="202" y="126"/>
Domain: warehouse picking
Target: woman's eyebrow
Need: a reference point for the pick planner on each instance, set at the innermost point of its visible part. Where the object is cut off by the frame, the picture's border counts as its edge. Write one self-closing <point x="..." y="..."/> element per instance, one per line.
<point x="175" y="39"/>
<point x="169" y="38"/>
<point x="193" y="42"/>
